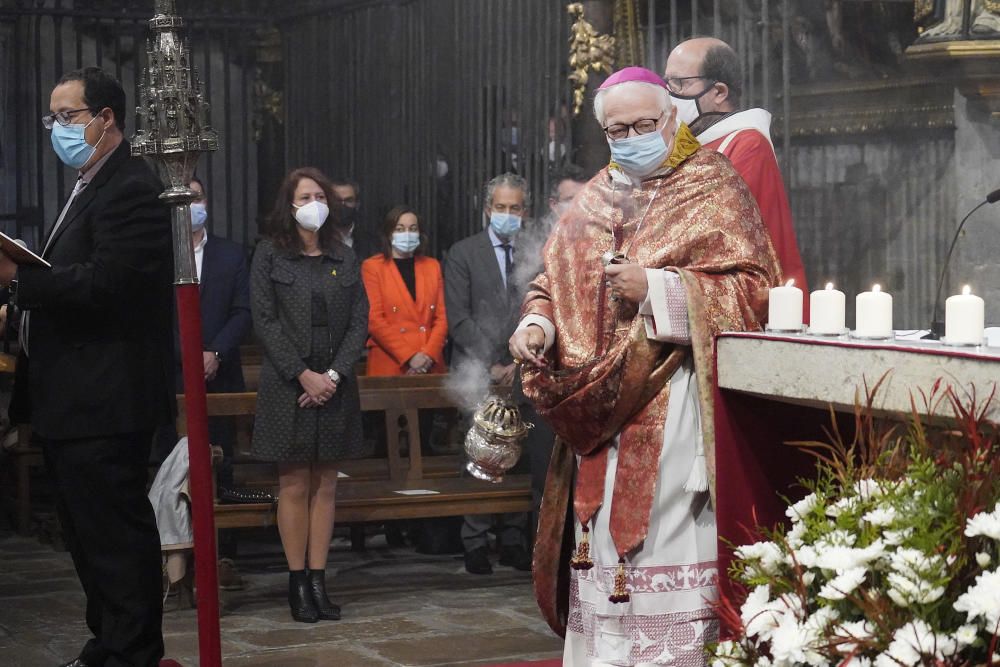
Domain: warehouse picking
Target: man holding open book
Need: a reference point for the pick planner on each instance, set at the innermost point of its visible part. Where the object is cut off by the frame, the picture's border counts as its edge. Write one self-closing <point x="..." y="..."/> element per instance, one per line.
<point x="95" y="374"/>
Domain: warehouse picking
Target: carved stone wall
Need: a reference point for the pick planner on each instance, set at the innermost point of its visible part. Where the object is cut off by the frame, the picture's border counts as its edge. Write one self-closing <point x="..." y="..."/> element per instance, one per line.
<point x="977" y="165"/>
<point x="873" y="208"/>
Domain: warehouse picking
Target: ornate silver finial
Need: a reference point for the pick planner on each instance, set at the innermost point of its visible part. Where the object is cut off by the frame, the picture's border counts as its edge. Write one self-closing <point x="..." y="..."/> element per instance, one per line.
<point x="172" y="116"/>
<point x="172" y="123"/>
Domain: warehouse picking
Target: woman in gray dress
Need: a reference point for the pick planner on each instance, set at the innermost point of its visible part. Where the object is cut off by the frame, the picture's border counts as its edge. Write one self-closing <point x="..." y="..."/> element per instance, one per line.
<point x="311" y="314"/>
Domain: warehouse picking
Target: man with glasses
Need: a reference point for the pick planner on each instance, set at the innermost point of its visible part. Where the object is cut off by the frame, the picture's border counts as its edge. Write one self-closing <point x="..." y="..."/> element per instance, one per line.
<point x="704" y="78"/>
<point x="95" y="373"/>
<point x="660" y="251"/>
<point x="482" y="301"/>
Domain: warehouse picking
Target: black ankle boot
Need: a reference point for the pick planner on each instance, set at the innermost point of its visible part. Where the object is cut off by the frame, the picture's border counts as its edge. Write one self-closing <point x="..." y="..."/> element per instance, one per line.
<point x="300" y="597"/>
<point x="317" y="586"/>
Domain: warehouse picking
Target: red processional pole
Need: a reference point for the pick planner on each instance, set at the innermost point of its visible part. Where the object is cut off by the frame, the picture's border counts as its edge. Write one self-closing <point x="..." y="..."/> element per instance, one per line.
<point x="173" y="131"/>
<point x="200" y="470"/>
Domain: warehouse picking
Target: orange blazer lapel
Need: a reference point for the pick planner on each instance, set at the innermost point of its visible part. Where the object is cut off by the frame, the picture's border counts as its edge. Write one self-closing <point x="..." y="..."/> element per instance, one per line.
<point x="400" y="294"/>
<point x="426" y="287"/>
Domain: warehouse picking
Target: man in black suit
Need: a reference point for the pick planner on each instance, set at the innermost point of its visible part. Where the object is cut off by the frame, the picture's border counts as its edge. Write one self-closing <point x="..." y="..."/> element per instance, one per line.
<point x="483" y="304"/>
<point x="224" y="290"/>
<point x="94" y="376"/>
<point x="347" y="215"/>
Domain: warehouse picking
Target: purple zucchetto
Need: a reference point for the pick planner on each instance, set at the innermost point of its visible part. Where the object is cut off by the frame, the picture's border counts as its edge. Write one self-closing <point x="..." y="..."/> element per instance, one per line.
<point x="633" y="74"/>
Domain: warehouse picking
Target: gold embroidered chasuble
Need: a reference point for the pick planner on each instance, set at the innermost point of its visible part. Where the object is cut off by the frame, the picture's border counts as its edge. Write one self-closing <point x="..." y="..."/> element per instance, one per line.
<point x="607" y="378"/>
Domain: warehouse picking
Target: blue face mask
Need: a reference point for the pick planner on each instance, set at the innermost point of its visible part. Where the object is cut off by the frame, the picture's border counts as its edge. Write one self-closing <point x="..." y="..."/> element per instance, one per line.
<point x="198" y="216"/>
<point x="505" y="224"/>
<point x="405" y="241"/>
<point x="70" y="143"/>
<point x="641" y="155"/>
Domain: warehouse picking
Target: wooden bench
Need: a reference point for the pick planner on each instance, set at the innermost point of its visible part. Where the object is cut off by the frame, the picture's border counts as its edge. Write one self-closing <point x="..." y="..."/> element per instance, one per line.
<point x="370" y="490"/>
<point x="397" y="487"/>
<point x="378" y="501"/>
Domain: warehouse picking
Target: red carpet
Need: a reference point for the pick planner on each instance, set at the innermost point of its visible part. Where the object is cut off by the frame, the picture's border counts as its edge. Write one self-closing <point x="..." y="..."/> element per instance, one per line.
<point x="556" y="662"/>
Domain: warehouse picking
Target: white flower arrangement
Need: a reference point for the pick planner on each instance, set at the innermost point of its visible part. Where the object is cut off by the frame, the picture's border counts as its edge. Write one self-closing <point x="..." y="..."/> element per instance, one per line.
<point x="891" y="560"/>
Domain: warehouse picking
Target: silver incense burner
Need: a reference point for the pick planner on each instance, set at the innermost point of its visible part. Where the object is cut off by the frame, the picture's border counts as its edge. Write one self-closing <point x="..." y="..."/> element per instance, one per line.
<point x="493" y="444"/>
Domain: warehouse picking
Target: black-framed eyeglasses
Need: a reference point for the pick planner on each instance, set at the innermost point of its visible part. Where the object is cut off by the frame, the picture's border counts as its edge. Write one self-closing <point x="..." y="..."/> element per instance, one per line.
<point x="62" y="117"/>
<point x="641" y="126"/>
<point x="676" y="83"/>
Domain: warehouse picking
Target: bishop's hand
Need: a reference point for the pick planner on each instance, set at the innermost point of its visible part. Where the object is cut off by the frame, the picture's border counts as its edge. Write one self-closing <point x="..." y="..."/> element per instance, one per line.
<point x="627" y="282"/>
<point x="526" y="346"/>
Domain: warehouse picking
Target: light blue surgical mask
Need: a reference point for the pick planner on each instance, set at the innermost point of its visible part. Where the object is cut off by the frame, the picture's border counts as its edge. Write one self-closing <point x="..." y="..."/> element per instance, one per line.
<point x="199" y="213"/>
<point x="641" y="155"/>
<point x="405" y="242"/>
<point x="70" y="143"/>
<point x="505" y="224"/>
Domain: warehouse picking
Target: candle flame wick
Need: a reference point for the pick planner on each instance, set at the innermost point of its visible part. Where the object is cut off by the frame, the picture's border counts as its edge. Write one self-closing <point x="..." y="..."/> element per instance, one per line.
<point x="966" y="290"/>
<point x="829" y="286"/>
<point x="876" y="287"/>
<point x="790" y="282"/>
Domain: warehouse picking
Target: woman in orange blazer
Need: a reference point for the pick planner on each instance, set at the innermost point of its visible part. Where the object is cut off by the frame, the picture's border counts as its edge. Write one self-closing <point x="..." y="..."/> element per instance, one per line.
<point x="407" y="326"/>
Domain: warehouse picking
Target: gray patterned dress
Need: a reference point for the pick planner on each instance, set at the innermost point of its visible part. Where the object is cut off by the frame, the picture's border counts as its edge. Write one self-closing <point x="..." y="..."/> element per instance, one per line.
<point x="308" y="312"/>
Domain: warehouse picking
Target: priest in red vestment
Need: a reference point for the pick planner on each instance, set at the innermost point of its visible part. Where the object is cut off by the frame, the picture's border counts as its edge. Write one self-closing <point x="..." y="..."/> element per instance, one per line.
<point x="660" y="251"/>
<point x="704" y="77"/>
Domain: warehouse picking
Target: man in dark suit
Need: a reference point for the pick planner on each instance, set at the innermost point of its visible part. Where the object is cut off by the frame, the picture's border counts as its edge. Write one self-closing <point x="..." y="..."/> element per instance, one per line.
<point x="483" y="304"/>
<point x="224" y="286"/>
<point x="94" y="376"/>
<point x="347" y="214"/>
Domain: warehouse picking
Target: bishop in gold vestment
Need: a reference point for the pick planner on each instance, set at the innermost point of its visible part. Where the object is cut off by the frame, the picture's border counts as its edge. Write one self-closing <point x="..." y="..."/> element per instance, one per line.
<point x="625" y="378"/>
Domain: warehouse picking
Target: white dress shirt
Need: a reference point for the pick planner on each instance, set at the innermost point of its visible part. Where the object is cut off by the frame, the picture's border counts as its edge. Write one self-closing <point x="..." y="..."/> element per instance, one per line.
<point x="501" y="253"/>
<point x="199" y="253"/>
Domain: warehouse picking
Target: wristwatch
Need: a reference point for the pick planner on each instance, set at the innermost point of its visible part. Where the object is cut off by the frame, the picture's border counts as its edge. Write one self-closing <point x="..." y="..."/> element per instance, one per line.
<point x="218" y="356"/>
<point x="333" y="375"/>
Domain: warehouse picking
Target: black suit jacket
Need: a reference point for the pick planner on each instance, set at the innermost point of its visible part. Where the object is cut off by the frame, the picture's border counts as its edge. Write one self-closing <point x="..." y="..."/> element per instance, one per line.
<point x="224" y="292"/>
<point x="482" y="315"/>
<point x="364" y="244"/>
<point x="101" y="359"/>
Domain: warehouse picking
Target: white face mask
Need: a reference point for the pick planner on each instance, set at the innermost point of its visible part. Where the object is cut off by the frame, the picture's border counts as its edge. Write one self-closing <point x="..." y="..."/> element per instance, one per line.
<point x="311" y="216"/>
<point x="688" y="110"/>
<point x="689" y="106"/>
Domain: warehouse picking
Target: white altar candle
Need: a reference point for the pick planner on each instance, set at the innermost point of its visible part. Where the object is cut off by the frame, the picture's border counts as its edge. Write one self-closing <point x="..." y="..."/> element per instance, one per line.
<point x="826" y="311"/>
<point x="873" y="314"/>
<point x="964" y="318"/>
<point x="784" y="307"/>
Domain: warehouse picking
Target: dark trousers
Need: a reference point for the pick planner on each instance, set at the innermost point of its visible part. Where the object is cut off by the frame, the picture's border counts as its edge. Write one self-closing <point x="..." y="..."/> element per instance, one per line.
<point x="512" y="528"/>
<point x="221" y="432"/>
<point x="110" y="530"/>
<point x="538" y="448"/>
